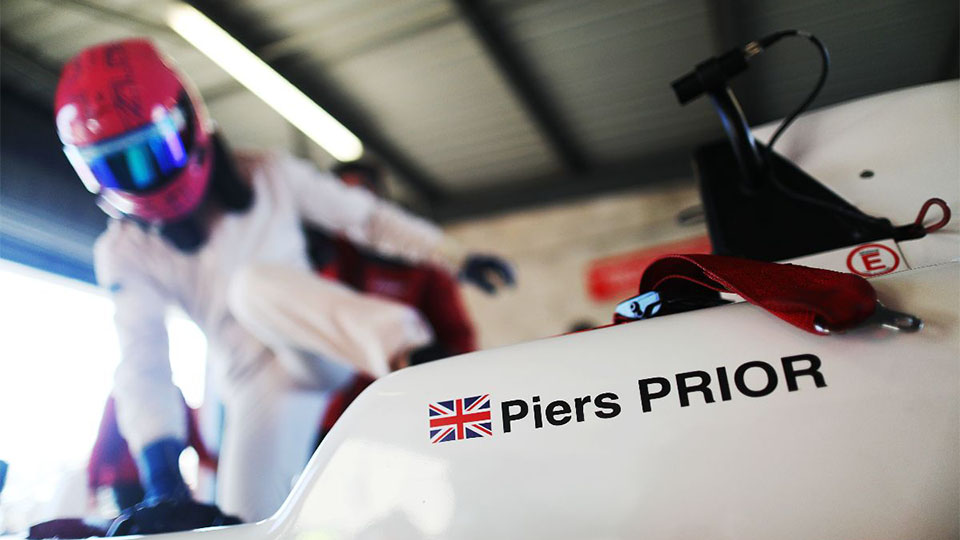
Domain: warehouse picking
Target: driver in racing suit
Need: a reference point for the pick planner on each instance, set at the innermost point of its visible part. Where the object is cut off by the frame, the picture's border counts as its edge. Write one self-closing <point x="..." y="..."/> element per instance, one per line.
<point x="219" y="236"/>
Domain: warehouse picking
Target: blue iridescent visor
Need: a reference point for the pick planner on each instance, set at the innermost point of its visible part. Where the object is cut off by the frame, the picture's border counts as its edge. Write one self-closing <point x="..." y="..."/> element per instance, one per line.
<point x="138" y="161"/>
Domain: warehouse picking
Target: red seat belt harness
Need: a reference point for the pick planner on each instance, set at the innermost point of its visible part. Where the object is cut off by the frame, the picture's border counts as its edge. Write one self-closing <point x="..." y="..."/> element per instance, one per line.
<point x="816" y="300"/>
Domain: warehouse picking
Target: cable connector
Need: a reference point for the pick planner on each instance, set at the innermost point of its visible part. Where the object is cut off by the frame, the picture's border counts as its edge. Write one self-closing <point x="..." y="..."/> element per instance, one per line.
<point x="752" y="49"/>
<point x="710" y="75"/>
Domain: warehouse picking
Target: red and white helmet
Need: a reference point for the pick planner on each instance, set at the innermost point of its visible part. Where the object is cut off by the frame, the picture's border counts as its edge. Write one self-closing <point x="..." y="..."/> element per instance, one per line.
<point x="135" y="130"/>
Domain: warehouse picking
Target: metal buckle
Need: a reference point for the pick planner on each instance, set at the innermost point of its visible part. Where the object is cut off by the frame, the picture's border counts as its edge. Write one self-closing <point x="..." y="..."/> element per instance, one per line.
<point x="882" y="316"/>
<point x="642" y="306"/>
<point x="652" y="303"/>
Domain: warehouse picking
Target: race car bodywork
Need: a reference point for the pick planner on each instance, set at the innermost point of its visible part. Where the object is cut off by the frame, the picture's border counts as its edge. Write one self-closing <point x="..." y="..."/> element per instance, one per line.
<point x="815" y="437"/>
<point x="723" y="422"/>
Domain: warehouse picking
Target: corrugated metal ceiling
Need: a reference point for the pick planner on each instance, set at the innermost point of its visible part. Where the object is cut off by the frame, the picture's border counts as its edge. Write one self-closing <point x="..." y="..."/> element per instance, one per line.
<point x="420" y="74"/>
<point x="609" y="65"/>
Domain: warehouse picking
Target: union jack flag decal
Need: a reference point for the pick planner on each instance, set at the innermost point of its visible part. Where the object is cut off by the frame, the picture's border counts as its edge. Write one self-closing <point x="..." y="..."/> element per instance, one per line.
<point x="456" y="419"/>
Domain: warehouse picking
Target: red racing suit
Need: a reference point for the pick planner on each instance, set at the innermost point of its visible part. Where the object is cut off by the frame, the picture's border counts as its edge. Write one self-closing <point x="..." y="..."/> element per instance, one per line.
<point x="429" y="289"/>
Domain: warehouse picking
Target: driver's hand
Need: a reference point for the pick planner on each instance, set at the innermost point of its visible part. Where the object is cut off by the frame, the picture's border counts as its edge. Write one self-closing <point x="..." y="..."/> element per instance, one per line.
<point x="488" y="272"/>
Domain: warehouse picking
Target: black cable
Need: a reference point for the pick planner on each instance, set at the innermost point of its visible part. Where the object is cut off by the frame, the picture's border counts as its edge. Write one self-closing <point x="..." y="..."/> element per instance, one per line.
<point x="714" y="73"/>
<point x="765" y="43"/>
<point x="758" y="46"/>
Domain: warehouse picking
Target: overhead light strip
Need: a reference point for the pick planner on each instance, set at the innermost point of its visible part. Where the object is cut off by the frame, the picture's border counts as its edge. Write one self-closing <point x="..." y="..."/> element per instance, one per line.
<point x="253" y="73"/>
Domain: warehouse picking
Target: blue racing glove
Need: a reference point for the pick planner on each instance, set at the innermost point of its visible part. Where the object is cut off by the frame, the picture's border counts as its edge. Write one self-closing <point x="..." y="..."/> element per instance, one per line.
<point x="167" y="505"/>
<point x="485" y="271"/>
<point x="159" y="465"/>
<point x="3" y="474"/>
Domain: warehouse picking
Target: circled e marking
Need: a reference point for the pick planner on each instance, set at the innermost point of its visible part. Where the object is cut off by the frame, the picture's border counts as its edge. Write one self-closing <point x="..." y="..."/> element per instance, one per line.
<point x="871" y="260"/>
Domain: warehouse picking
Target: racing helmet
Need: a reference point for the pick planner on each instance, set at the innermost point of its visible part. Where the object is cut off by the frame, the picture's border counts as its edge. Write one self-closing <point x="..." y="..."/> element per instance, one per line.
<point x="135" y="131"/>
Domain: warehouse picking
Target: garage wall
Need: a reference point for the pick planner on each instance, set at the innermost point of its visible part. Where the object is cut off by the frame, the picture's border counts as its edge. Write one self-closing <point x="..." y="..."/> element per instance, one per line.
<point x="552" y="248"/>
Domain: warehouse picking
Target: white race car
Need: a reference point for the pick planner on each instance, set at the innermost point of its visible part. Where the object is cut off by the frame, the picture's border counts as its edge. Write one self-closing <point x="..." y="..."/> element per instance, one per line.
<point x="606" y="434"/>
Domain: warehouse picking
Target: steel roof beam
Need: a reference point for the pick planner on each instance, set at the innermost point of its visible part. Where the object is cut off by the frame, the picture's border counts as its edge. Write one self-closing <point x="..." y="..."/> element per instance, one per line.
<point x="115" y="15"/>
<point x="296" y="42"/>
<point x="950" y="66"/>
<point x="321" y="90"/>
<point x="32" y="78"/>
<point x="526" y="87"/>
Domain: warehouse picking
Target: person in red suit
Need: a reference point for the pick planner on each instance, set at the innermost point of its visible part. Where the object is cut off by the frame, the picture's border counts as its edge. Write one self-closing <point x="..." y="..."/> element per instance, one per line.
<point x="433" y="292"/>
<point x="430" y="290"/>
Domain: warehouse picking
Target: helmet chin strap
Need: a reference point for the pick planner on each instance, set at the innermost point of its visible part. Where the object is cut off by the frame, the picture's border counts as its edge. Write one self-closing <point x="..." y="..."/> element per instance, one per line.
<point x="227" y="192"/>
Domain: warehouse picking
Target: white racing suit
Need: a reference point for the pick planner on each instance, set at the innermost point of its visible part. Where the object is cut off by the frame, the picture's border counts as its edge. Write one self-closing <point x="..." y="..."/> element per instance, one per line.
<point x="279" y="336"/>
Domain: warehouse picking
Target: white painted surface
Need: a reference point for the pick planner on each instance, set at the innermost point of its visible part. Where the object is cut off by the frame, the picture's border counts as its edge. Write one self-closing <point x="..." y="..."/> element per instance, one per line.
<point x="885" y="259"/>
<point x="908" y="138"/>
<point x="873" y="454"/>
